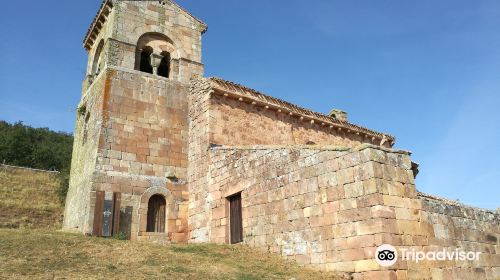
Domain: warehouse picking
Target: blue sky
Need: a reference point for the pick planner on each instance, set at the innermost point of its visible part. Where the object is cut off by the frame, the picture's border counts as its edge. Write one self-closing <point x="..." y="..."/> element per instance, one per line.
<point x="424" y="71"/>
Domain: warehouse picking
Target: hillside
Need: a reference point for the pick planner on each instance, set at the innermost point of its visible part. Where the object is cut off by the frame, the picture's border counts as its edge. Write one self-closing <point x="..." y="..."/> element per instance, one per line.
<point x="32" y="248"/>
<point x="41" y="148"/>
<point x="28" y="199"/>
<point x="53" y="255"/>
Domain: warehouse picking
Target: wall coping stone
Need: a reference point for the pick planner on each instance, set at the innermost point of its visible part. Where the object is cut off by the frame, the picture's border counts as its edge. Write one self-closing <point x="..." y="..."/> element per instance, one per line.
<point x="454" y="203"/>
<point x="284" y="147"/>
<point x="365" y="146"/>
<point x="311" y="147"/>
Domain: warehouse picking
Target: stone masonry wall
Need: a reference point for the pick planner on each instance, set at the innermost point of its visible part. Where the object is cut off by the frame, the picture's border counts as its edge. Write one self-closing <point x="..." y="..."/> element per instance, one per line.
<point x="330" y="208"/>
<point x="236" y="123"/>
<point x="133" y="19"/>
<point x="423" y="223"/>
<point x="143" y="143"/>
<point x="199" y="159"/>
<point x="88" y="127"/>
<point x="450" y="225"/>
<point x="214" y="120"/>
<point x="138" y="128"/>
<point x="129" y="20"/>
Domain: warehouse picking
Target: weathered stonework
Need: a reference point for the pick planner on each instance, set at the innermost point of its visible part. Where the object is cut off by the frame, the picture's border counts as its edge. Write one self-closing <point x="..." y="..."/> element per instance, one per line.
<point x="136" y="135"/>
<point x="314" y="188"/>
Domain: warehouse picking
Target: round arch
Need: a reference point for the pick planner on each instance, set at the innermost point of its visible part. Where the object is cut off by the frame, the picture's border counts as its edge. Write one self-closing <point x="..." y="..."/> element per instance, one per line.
<point x="145" y="203"/>
<point x="156" y="43"/>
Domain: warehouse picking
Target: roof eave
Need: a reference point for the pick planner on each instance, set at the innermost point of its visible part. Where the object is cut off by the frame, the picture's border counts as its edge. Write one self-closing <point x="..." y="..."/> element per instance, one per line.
<point x="96" y="24"/>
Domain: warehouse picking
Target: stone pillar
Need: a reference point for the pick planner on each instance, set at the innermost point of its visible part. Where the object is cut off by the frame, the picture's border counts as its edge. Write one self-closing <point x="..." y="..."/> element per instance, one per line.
<point x="155" y="62"/>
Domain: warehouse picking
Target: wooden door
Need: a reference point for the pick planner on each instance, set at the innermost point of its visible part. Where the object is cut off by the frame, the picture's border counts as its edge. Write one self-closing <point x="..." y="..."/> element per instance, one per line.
<point x="236" y="219"/>
<point x="117" y="198"/>
<point x="156" y="214"/>
<point x="106" y="215"/>
<point x="98" y="213"/>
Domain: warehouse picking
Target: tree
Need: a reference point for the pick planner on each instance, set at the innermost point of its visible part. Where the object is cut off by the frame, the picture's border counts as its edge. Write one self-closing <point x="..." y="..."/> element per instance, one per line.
<point x="40" y="148"/>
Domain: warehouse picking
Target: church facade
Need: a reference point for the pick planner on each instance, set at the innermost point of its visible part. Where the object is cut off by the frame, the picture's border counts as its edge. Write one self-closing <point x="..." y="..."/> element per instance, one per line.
<point x="163" y="154"/>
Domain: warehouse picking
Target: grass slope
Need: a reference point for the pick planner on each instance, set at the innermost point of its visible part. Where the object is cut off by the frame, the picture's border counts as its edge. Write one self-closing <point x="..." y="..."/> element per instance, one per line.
<point x="28" y="199"/>
<point x="35" y="254"/>
<point x="32" y="248"/>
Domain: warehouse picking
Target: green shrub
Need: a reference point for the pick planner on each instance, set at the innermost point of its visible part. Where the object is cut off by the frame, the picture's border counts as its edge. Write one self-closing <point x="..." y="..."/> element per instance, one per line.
<point x="120" y="236"/>
<point x="63" y="186"/>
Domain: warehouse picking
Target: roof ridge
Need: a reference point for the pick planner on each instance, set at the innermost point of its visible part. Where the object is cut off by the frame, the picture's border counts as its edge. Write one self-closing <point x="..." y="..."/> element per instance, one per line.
<point x="303" y="110"/>
<point x="109" y="3"/>
<point x="193" y="16"/>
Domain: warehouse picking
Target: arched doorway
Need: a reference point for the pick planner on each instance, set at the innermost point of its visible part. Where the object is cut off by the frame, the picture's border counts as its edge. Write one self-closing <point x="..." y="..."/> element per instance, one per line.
<point x="156" y="214"/>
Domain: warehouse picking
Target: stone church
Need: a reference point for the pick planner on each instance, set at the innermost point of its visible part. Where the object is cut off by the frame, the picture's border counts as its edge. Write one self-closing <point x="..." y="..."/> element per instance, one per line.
<point x="163" y="154"/>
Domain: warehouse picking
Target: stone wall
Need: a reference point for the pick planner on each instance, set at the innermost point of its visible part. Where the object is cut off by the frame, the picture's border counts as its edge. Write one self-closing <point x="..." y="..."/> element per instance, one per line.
<point x="79" y="206"/>
<point x="450" y="225"/>
<point x="199" y="160"/>
<point x="138" y="142"/>
<point x="134" y="19"/>
<point x="137" y="131"/>
<point x="237" y="123"/>
<point x="330" y="208"/>
<point x="216" y="120"/>
<point x="144" y="143"/>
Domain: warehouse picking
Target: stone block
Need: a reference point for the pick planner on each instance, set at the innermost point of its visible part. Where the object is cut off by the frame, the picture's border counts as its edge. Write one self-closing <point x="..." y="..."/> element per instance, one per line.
<point x="346" y="204"/>
<point x="372" y="154"/>
<point x="344" y="230"/>
<point x="407" y="214"/>
<point x="348" y="266"/>
<point x="409" y="227"/>
<point x="380" y="211"/>
<point x="219" y="213"/>
<point x="366" y="265"/>
<point x="345" y="176"/>
<point x="379" y="275"/>
<point x="361" y="241"/>
<point x="352" y="254"/>
<point x="353" y="190"/>
<point x="396" y="201"/>
<point x="335" y="193"/>
<point x="375" y="226"/>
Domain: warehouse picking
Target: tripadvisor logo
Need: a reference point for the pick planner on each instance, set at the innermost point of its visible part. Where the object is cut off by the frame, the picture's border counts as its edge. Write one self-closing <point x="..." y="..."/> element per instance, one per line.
<point x="387" y="255"/>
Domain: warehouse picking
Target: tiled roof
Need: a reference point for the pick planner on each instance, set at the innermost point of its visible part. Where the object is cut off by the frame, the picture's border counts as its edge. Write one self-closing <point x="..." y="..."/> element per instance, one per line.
<point x="106" y="7"/>
<point x="252" y="94"/>
<point x="105" y="4"/>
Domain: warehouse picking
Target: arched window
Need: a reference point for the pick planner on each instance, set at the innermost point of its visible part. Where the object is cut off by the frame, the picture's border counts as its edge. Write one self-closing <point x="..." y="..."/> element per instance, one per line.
<point x="164" y="68"/>
<point x="154" y="54"/>
<point x="156" y="214"/>
<point x="145" y="65"/>
<point x="98" y="59"/>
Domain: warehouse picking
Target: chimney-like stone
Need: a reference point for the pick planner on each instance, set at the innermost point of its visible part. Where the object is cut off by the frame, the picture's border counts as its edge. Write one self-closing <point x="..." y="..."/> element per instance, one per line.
<point x="338" y="114"/>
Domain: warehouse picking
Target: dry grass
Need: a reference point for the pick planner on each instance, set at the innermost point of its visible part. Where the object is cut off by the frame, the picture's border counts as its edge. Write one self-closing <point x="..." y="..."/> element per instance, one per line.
<point x="30" y="248"/>
<point x="36" y="254"/>
<point x="28" y="200"/>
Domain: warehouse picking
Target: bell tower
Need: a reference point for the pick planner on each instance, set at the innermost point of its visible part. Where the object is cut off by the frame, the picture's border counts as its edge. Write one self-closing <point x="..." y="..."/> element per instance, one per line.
<point x="130" y="149"/>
